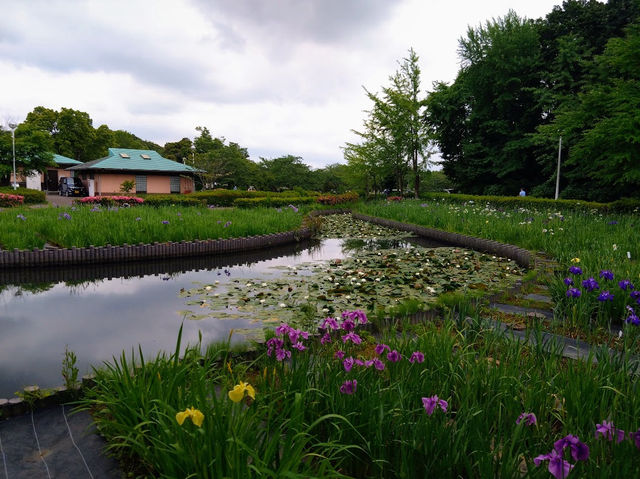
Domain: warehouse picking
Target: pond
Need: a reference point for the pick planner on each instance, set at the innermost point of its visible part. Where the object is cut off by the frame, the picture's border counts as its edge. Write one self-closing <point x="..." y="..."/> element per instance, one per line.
<point x="97" y="311"/>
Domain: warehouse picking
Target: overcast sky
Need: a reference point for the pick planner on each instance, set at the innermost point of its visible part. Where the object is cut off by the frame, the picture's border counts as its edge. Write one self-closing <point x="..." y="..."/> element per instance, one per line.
<point x="276" y="76"/>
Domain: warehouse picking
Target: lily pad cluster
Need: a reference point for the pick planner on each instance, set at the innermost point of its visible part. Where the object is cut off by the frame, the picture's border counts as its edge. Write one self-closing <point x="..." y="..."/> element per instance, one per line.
<point x="345" y="226"/>
<point x="368" y="279"/>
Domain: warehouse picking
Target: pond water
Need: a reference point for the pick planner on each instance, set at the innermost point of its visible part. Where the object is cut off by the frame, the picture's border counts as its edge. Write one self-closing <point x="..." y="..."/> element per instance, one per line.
<point x="98" y="311"/>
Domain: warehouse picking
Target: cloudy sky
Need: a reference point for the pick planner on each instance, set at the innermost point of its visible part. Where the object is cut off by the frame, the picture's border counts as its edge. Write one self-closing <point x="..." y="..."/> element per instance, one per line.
<point x="276" y="76"/>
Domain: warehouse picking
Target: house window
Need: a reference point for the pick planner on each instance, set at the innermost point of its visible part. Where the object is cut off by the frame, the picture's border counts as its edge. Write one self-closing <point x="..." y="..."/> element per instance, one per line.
<point x="141" y="184"/>
<point x="145" y="157"/>
<point x="175" y="184"/>
<point x="124" y="155"/>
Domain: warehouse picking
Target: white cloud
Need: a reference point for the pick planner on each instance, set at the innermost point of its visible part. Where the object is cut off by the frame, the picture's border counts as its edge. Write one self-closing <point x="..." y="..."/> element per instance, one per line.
<point x="277" y="77"/>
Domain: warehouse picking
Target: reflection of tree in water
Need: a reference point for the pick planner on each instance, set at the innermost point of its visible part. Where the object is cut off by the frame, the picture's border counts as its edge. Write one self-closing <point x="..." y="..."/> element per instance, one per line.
<point x="33" y="288"/>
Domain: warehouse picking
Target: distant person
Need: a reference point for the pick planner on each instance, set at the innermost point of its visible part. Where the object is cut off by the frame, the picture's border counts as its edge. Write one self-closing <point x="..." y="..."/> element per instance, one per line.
<point x="522" y="192"/>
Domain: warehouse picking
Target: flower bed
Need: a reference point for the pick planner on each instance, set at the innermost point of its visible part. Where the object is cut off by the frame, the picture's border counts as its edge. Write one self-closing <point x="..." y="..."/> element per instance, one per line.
<point x="9" y="200"/>
<point x="110" y="200"/>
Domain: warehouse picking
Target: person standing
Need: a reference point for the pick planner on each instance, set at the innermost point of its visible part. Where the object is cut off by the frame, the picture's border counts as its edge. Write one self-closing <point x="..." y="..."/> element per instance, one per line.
<point x="522" y="192"/>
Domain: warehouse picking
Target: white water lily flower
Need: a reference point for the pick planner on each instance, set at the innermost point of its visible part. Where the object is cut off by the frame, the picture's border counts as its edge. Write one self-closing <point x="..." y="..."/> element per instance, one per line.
<point x="216" y="294"/>
<point x="615" y="247"/>
<point x="262" y="301"/>
<point x="282" y="305"/>
<point x="325" y="310"/>
<point x="217" y="281"/>
<point x="263" y="284"/>
<point x="306" y="297"/>
<point x="378" y="279"/>
<point x="347" y="297"/>
<point x="430" y="289"/>
<point x="208" y="288"/>
<point x="248" y="285"/>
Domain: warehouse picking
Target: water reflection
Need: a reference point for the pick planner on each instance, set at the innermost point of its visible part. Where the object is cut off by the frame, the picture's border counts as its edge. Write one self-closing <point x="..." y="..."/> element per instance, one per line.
<point x="100" y="310"/>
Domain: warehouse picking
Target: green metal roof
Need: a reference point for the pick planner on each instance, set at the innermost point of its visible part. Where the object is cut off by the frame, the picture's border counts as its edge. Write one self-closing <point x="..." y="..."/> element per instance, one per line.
<point x="64" y="160"/>
<point x="127" y="159"/>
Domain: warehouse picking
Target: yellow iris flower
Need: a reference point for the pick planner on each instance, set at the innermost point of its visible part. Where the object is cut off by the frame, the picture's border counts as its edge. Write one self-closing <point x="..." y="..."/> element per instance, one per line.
<point x="196" y="416"/>
<point x="237" y="393"/>
<point x="575" y="260"/>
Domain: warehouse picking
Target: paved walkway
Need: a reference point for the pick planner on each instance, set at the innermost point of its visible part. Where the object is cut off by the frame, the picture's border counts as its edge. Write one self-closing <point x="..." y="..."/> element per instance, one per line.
<point x="53" y="443"/>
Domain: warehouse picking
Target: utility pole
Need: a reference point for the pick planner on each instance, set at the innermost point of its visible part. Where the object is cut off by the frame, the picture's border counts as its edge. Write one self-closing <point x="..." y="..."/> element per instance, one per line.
<point x="13" y="127"/>
<point x="558" y="172"/>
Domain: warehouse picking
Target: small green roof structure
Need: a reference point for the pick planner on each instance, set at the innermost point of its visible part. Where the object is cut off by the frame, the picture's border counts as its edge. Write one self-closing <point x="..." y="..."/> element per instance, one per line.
<point x="64" y="160"/>
<point x="127" y="159"/>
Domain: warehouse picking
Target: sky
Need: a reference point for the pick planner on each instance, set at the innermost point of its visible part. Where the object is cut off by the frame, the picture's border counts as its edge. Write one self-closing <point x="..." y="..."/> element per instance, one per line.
<point x="277" y="77"/>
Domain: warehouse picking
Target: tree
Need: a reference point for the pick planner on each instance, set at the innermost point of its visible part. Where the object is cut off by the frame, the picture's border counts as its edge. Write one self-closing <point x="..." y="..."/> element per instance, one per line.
<point x="179" y="151"/>
<point x="491" y="109"/>
<point x="32" y="151"/>
<point x="284" y="172"/>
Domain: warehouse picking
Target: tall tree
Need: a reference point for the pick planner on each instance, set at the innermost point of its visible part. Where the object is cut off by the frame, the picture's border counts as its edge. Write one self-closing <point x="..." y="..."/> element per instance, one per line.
<point x="32" y="151"/>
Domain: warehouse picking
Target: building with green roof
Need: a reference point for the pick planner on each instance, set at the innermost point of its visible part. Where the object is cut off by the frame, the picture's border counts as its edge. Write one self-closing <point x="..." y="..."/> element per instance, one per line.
<point x="147" y="169"/>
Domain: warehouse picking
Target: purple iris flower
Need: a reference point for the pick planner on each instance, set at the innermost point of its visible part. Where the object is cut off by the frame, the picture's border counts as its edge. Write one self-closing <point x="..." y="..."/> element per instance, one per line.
<point x="416" y="357"/>
<point x="394" y="356"/>
<point x="575" y="270"/>
<point x="295" y="210"/>
<point x="348" y="324"/>
<point x="579" y="450"/>
<point x="568" y="281"/>
<point x="573" y="293"/>
<point x="138" y="218"/>
<point x="165" y="222"/>
<point x="329" y="323"/>
<point x="380" y="348"/>
<point x="326" y="338"/>
<point x="605" y="296"/>
<point x="558" y="467"/>
<point x="430" y="404"/>
<point x="590" y="284"/>
<point x="353" y="337"/>
<point x="349" y="387"/>
<point x="614" y="222"/>
<point x="633" y="317"/>
<point x="283" y="329"/>
<point x="528" y="418"/>
<point x="625" y="284"/>
<point x="282" y="354"/>
<point x="609" y="431"/>
<point x="338" y="354"/>
<point x="227" y="224"/>
<point x="21" y="217"/>
<point x="348" y="364"/>
<point x="635" y="294"/>
<point x="635" y="438"/>
<point x="66" y="216"/>
<point x="606" y="274"/>
<point x="379" y="365"/>
<point x="357" y="315"/>
<point x="299" y="346"/>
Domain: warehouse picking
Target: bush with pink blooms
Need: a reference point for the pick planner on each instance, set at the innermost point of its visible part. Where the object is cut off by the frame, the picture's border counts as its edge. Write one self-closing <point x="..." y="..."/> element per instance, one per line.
<point x="8" y="200"/>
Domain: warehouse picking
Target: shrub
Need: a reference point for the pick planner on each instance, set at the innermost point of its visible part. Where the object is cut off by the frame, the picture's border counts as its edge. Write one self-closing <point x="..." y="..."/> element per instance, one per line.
<point x="110" y="200"/>
<point x="348" y="197"/>
<point x="30" y="196"/>
<point x="221" y="197"/>
<point x="126" y="186"/>
<point x="520" y="201"/>
<point x="394" y="198"/>
<point x="625" y="205"/>
<point x="8" y="200"/>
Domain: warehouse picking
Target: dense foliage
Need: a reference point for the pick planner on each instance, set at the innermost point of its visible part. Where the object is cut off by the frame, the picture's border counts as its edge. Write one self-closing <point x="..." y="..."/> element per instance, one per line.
<point x="523" y="84"/>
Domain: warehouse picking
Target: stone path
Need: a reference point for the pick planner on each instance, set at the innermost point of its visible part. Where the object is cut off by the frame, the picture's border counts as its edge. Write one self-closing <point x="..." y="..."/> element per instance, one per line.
<point x="53" y="443"/>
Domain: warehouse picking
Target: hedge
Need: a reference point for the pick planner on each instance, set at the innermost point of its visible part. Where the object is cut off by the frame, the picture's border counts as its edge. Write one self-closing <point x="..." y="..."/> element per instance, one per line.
<point x="169" y="200"/>
<point x="8" y="200"/>
<point x="273" y="201"/>
<point x="110" y="200"/>
<point x="519" y="201"/>
<point x="222" y="197"/>
<point x="30" y="196"/>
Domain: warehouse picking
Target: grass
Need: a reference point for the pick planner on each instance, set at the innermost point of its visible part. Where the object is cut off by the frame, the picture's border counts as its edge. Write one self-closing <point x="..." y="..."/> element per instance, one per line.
<point x="301" y="424"/>
<point x="82" y="226"/>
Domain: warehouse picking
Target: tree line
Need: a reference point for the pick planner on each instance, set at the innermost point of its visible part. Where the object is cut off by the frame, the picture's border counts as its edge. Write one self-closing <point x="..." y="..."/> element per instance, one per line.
<point x="522" y="85"/>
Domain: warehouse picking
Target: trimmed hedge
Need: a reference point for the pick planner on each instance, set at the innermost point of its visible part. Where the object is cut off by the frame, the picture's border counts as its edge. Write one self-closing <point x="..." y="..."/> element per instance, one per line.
<point x="31" y="197"/>
<point x="272" y="201"/>
<point x="8" y="200"/>
<point x="169" y="200"/>
<point x="221" y="197"/>
<point x="110" y="200"/>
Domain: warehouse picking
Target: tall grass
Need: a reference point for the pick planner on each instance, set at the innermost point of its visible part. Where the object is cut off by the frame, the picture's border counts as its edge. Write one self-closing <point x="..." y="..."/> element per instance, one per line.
<point x="85" y="225"/>
<point x="302" y="425"/>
